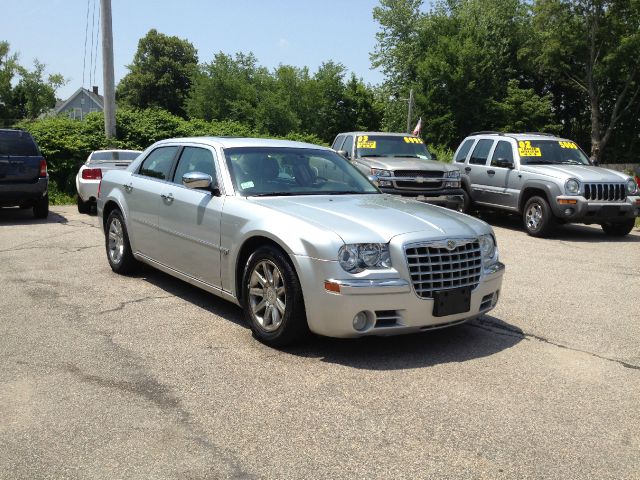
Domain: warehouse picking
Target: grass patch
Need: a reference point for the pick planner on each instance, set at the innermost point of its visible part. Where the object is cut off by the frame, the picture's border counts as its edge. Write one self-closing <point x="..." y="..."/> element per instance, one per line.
<point x="58" y="197"/>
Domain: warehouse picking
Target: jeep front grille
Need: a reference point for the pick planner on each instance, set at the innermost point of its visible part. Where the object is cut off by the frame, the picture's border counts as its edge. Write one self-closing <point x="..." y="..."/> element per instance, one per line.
<point x="607" y="192"/>
<point x="418" y="179"/>
<point x="433" y="266"/>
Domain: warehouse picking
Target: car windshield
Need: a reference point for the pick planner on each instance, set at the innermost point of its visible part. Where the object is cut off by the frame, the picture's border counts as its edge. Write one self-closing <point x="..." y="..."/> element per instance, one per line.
<point x="551" y="152"/>
<point x="275" y="171"/>
<point x="113" y="155"/>
<point x="391" y="146"/>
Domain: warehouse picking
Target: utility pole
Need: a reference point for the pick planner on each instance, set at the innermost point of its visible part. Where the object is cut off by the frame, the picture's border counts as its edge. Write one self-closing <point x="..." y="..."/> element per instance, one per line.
<point x="107" y="71"/>
<point x="410" y="111"/>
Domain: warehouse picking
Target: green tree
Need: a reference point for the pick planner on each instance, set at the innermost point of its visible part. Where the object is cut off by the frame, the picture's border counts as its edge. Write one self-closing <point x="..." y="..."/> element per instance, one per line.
<point x="8" y="70"/>
<point x="33" y="95"/>
<point x="592" y="46"/>
<point x="160" y="74"/>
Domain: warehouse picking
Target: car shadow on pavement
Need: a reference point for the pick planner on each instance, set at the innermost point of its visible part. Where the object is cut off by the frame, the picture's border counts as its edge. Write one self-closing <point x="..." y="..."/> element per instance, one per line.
<point x="573" y="232"/>
<point x="475" y="339"/>
<point x="24" y="216"/>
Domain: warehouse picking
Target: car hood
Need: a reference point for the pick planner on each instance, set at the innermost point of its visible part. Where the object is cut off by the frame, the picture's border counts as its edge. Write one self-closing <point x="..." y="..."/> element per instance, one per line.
<point x="375" y="218"/>
<point x="406" y="163"/>
<point x="584" y="173"/>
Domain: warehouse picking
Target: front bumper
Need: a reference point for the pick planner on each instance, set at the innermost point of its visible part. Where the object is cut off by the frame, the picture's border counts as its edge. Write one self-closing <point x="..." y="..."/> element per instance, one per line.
<point x="23" y="193"/>
<point x="450" y="197"/>
<point x="390" y="303"/>
<point x="583" y="211"/>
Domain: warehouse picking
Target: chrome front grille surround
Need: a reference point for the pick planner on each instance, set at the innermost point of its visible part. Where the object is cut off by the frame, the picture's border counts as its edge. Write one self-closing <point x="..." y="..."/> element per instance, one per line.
<point x="444" y="265"/>
<point x="417" y="179"/>
<point x="606" y="192"/>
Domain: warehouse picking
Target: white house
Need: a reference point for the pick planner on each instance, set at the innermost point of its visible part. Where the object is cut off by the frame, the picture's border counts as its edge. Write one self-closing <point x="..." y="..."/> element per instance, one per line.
<point x="78" y="105"/>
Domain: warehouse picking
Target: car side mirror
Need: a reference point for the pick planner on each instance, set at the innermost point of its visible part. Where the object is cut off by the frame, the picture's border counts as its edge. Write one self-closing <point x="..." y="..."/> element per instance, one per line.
<point x="504" y="163"/>
<point x="344" y="153"/>
<point x="596" y="163"/>
<point x="200" y="181"/>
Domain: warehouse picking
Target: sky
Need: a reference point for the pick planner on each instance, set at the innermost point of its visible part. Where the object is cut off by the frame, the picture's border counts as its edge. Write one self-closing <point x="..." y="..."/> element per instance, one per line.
<point x="300" y="33"/>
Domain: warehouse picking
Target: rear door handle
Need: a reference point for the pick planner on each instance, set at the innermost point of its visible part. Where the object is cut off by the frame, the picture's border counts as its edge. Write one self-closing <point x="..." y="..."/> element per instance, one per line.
<point x="491" y="172"/>
<point x="128" y="187"/>
<point x="167" y="197"/>
<point x="467" y="169"/>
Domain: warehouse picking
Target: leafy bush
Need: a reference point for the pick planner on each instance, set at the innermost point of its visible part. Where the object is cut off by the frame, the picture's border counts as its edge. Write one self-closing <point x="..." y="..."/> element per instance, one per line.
<point x="444" y="153"/>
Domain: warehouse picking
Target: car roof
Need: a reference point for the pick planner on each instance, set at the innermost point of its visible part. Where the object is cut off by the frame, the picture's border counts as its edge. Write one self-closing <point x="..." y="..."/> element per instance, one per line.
<point x="117" y="150"/>
<point x="520" y="136"/>
<point x="381" y="134"/>
<point x="234" y="142"/>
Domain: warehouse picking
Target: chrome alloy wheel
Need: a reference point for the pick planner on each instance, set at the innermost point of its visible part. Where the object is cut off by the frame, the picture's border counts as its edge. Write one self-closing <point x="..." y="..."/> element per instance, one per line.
<point x="267" y="295"/>
<point x="534" y="216"/>
<point x="116" y="241"/>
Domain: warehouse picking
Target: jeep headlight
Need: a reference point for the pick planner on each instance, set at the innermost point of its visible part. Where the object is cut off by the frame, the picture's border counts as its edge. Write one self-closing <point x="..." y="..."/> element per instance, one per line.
<point x="572" y="187"/>
<point x="632" y="187"/>
<point x="356" y="257"/>
<point x="488" y="249"/>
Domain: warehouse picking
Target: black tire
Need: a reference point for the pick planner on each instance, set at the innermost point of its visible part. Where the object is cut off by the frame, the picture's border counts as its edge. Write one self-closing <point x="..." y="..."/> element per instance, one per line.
<point x="619" y="229"/>
<point x="537" y="217"/>
<point x="118" y="248"/>
<point x="465" y="207"/>
<point x="83" y="207"/>
<point x="290" y="326"/>
<point x="41" y="207"/>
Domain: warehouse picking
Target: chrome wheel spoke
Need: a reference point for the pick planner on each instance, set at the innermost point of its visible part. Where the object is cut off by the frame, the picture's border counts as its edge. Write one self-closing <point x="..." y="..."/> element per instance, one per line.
<point x="258" y="307"/>
<point x="280" y="306"/>
<point x="257" y="292"/>
<point x="267" y="295"/>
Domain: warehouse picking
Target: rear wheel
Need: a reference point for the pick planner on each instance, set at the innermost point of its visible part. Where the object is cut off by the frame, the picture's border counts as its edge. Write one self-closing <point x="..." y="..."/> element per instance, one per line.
<point x="117" y="244"/>
<point x="83" y="207"/>
<point x="537" y="216"/>
<point x="272" y="298"/>
<point x="619" y="229"/>
<point x="41" y="207"/>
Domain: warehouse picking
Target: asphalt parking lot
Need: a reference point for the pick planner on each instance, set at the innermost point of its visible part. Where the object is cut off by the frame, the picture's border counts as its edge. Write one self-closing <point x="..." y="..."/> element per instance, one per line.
<point x="103" y="376"/>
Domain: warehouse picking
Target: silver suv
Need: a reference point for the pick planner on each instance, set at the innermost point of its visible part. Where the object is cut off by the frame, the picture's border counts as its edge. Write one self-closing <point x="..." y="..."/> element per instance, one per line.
<point x="401" y="164"/>
<point x="546" y="179"/>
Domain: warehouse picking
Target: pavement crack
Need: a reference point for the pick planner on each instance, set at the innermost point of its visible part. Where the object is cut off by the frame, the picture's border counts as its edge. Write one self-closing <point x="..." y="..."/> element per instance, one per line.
<point x="137" y="300"/>
<point x="501" y="329"/>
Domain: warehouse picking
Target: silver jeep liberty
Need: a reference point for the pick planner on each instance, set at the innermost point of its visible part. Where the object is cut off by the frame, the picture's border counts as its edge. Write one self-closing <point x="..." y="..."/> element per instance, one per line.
<point x="401" y="164"/>
<point x="546" y="179"/>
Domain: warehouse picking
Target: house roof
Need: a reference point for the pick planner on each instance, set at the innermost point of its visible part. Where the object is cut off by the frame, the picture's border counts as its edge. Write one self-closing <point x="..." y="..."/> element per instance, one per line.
<point x="97" y="99"/>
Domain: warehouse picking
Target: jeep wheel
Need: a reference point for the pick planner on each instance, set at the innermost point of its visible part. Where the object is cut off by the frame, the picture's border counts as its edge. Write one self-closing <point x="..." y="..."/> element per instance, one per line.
<point x="537" y="216"/>
<point x="41" y="207"/>
<point x="619" y="229"/>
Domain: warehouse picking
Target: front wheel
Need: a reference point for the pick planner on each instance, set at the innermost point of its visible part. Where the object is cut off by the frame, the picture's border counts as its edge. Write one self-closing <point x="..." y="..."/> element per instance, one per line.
<point x="272" y="299"/>
<point x="537" y="216"/>
<point x="117" y="244"/>
<point x="465" y="206"/>
<point x="619" y="229"/>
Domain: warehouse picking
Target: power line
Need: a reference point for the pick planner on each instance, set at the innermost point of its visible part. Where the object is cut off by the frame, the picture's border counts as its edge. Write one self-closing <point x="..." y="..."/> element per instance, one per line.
<point x="86" y="34"/>
<point x="95" y="64"/>
<point x="93" y="28"/>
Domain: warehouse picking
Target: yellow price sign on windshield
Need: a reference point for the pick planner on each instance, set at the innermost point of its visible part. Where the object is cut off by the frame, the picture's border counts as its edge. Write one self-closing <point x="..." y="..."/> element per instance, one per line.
<point x="413" y="140"/>
<point x="526" y="150"/>
<point x="568" y="145"/>
<point x="364" y="142"/>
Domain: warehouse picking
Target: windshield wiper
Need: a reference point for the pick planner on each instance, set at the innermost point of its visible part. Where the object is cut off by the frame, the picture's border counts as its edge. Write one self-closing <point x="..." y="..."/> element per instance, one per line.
<point x="275" y="194"/>
<point x="540" y="162"/>
<point x="346" y="192"/>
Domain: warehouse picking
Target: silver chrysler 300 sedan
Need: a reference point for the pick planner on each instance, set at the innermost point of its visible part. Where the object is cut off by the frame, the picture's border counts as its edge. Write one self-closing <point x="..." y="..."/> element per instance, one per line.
<point x="297" y="237"/>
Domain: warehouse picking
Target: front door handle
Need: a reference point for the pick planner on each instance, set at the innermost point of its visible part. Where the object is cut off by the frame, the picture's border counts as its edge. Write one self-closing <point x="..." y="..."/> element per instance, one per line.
<point x="467" y="169"/>
<point x="128" y="187"/>
<point x="168" y="197"/>
<point x="491" y="172"/>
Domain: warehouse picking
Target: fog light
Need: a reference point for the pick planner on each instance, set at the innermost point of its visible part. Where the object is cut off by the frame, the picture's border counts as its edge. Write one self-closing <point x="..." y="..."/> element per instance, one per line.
<point x="360" y="321"/>
<point x="385" y="183"/>
<point x="494" y="300"/>
<point x="568" y="211"/>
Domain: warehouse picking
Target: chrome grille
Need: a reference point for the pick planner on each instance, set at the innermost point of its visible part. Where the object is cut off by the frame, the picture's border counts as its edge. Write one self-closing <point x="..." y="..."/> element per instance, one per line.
<point x="606" y="192"/>
<point x="418" y="173"/>
<point x="417" y="179"/>
<point x="433" y="266"/>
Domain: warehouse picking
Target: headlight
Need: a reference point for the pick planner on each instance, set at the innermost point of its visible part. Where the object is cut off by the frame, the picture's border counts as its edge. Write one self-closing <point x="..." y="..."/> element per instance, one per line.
<point x="453" y="174"/>
<point x="356" y="257"/>
<point x="488" y="249"/>
<point x="572" y="187"/>
<point x="632" y="188"/>
<point x="380" y="173"/>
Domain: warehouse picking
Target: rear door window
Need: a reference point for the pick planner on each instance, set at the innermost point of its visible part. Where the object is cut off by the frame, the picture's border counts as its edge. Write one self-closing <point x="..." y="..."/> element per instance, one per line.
<point x="337" y="143"/>
<point x="18" y="144"/>
<point x="158" y="163"/>
<point x="481" y="152"/>
<point x="461" y="156"/>
<point x="348" y="145"/>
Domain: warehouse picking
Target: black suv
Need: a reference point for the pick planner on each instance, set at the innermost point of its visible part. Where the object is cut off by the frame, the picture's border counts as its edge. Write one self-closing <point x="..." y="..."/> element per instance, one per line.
<point x="23" y="173"/>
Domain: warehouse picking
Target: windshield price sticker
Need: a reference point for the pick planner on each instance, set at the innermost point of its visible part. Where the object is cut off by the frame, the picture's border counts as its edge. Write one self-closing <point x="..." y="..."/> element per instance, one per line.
<point x="568" y="145"/>
<point x="413" y="140"/>
<point x="364" y="142"/>
<point x="526" y="150"/>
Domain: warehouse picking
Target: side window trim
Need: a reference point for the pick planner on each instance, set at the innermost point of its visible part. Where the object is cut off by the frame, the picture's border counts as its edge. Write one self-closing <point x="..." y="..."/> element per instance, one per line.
<point x="472" y="144"/>
<point x="216" y="168"/>
<point x="495" y="149"/>
<point x="489" y="152"/>
<point x="350" y="151"/>
<point x="338" y="142"/>
<point x="171" y="169"/>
